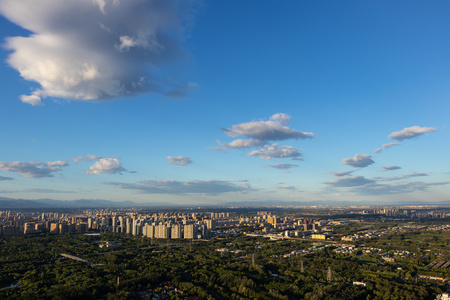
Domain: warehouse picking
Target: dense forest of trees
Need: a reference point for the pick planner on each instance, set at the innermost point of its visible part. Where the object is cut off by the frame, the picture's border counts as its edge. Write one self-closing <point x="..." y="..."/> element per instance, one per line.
<point x="34" y="264"/>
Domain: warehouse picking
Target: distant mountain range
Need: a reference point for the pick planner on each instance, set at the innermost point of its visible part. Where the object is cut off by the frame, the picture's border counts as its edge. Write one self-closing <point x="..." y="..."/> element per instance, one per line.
<point x="10" y="203"/>
<point x="6" y="203"/>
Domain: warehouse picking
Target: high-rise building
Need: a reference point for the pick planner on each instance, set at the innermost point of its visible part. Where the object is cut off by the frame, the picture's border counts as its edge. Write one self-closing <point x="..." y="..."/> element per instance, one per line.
<point x="28" y="228"/>
<point x="63" y="228"/>
<point x="211" y="224"/>
<point x="150" y="233"/>
<point x="189" y="231"/>
<point x="134" y="227"/>
<point x="176" y="232"/>
<point x="272" y="220"/>
<point x="162" y="232"/>
<point x="128" y="226"/>
<point x="54" y="228"/>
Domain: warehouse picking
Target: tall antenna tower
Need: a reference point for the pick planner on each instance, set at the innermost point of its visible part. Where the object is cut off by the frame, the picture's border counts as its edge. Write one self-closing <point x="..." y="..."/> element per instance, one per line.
<point x="302" y="269"/>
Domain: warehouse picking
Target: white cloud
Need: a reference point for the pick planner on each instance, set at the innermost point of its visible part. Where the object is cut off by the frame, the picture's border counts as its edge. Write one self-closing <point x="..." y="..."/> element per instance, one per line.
<point x="288" y="187"/>
<point x="344" y="173"/>
<point x="94" y="50"/>
<point x="281" y="118"/>
<point x="273" y="151"/>
<point x="56" y="165"/>
<point x="33" y="169"/>
<point x="391" y="168"/>
<point x="410" y="132"/>
<point x="358" y="161"/>
<point x="45" y="191"/>
<point x="243" y="143"/>
<point x="386" y="146"/>
<point x="109" y="165"/>
<point x="397" y="188"/>
<point x="273" y="130"/>
<point x="31" y="99"/>
<point x="283" y="166"/>
<point x="417" y="174"/>
<point x="349" y="181"/>
<point x="209" y="187"/>
<point x="88" y="157"/>
<point x="179" y="160"/>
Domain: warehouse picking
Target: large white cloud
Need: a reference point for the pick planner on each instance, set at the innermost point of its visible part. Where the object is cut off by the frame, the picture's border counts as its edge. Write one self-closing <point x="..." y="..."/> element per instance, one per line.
<point x="273" y="151"/>
<point x="179" y="160"/>
<point x="358" y="161"/>
<point x="209" y="187"/>
<point x="33" y="169"/>
<point x="410" y="132"/>
<point x="96" y="49"/>
<point x="110" y="165"/>
<point x="262" y="133"/>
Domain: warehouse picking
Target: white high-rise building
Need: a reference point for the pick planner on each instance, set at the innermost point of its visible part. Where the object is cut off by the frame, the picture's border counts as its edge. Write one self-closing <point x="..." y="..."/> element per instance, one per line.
<point x="176" y="232"/>
<point x="189" y="231"/>
<point x="211" y="224"/>
<point x="150" y="231"/>
<point x="134" y="228"/>
<point x="161" y="232"/>
<point x="128" y="225"/>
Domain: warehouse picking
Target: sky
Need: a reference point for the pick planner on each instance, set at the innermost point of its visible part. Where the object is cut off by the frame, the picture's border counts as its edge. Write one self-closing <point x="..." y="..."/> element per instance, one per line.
<point x="210" y="102"/>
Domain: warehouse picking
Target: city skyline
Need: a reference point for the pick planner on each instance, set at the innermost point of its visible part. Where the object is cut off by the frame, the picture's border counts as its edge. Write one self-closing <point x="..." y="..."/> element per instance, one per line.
<point x="204" y="102"/>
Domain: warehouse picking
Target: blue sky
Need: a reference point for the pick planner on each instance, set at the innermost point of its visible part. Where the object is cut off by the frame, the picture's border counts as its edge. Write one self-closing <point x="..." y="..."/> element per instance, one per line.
<point x="216" y="101"/>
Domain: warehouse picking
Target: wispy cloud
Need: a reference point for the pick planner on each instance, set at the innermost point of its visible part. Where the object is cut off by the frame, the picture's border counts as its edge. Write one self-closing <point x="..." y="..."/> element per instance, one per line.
<point x="209" y="187"/>
<point x="358" y="161"/>
<point x="418" y="174"/>
<point x="88" y="157"/>
<point x="179" y="160"/>
<point x="96" y="50"/>
<point x="46" y="191"/>
<point x="5" y="178"/>
<point x="386" y="146"/>
<point x="391" y="168"/>
<point x="410" y="132"/>
<point x="181" y="91"/>
<point x="344" y="173"/>
<point x="396" y="188"/>
<point x="33" y="169"/>
<point x="283" y="166"/>
<point x="349" y="181"/>
<point x="288" y="188"/>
